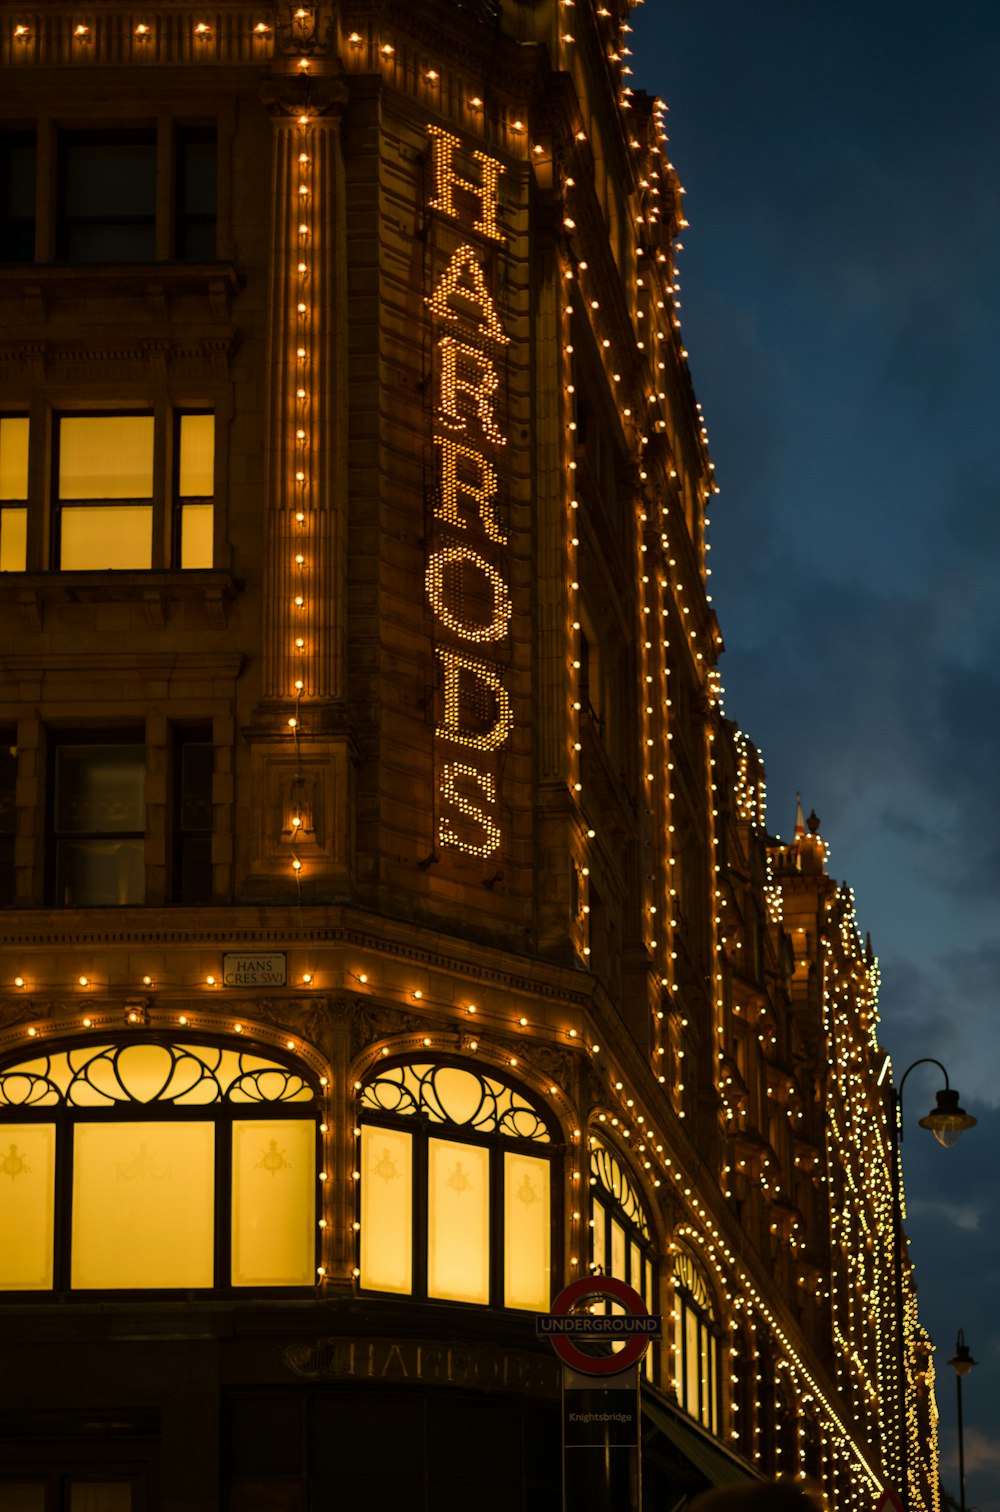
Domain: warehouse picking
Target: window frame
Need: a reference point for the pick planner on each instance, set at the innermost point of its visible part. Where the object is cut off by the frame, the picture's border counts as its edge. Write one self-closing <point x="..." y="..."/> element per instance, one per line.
<point x="151" y="501"/>
<point x="62" y="739"/>
<point x="634" y="1237"/>
<point x="12" y="226"/>
<point x="223" y="1113"/>
<point x="138" y="134"/>
<point x="16" y="504"/>
<point x="424" y="1129"/>
<point x="184" y="735"/>
<point x="710" y="1403"/>
<point x="166" y="503"/>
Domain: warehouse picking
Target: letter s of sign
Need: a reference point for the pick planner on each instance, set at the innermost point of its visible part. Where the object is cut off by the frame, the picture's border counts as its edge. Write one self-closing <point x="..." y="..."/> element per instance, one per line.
<point x="450" y="773"/>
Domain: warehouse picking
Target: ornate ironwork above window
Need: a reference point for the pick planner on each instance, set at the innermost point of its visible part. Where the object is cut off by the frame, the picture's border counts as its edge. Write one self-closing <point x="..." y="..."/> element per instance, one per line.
<point x="607" y="1169"/>
<point x="686" y="1274"/>
<point x="449" y="1094"/>
<point x="98" y="1076"/>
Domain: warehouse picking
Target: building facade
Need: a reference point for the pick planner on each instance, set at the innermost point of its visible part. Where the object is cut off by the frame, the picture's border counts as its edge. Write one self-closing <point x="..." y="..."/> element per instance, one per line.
<point x="390" y="930"/>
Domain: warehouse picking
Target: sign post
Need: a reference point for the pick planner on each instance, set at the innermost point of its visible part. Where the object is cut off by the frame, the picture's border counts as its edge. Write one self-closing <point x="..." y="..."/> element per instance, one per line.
<point x="600" y="1393"/>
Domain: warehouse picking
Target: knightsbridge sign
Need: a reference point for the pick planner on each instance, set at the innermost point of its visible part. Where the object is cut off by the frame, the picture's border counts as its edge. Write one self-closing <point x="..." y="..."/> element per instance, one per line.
<point x="467" y="577"/>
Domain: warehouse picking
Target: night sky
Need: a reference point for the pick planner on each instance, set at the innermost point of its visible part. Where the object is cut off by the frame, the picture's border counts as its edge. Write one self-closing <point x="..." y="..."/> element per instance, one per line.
<point x="839" y="291"/>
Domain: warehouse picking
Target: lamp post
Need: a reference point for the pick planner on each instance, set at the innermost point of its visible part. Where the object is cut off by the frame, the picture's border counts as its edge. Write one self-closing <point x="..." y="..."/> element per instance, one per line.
<point x="946" y="1121"/>
<point x="961" y="1365"/>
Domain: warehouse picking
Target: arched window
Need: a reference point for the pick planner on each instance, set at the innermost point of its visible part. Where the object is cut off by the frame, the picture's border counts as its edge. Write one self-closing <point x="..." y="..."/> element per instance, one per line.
<point x="696" y="1345"/>
<point x="621" y="1242"/>
<point x="456" y="1188"/>
<point x="156" y="1166"/>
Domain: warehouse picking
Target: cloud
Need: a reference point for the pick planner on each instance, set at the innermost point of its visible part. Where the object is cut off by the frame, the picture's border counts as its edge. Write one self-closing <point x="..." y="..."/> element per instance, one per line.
<point x="960" y="1215"/>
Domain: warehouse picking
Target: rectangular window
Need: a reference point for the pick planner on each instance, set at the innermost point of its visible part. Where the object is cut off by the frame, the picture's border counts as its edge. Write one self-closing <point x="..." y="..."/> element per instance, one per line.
<point x="386" y="1209"/>
<point x="196" y="194"/>
<point x="143" y="1205"/>
<point x="17" y="197"/>
<point x="274" y="1202"/>
<point x="458" y="1221"/>
<point x="59" y="1493"/>
<point x="194" y="756"/>
<point x="527" y="1266"/>
<point x="618" y="1251"/>
<point x="99" y="824"/>
<point x="28" y="1170"/>
<point x="13" y="492"/>
<point x="105" y="492"/>
<point x="107" y="196"/>
<point x="8" y="816"/>
<point x="195" y="473"/>
<point x="692" y="1362"/>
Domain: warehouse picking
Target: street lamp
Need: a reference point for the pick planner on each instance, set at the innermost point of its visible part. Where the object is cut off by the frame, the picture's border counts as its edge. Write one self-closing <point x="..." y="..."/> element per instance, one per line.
<point x="961" y="1365"/>
<point x="946" y="1121"/>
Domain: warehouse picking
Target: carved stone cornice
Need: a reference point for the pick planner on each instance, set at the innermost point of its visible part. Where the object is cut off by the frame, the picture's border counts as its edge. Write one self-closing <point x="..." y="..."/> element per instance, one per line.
<point x="289" y="96"/>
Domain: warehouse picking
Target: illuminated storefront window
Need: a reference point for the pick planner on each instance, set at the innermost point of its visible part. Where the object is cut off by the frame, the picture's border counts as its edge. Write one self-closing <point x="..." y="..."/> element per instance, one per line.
<point x="456" y="1188"/>
<point x="696" y="1345"/>
<point x="142" y="1166"/>
<point x="621" y="1243"/>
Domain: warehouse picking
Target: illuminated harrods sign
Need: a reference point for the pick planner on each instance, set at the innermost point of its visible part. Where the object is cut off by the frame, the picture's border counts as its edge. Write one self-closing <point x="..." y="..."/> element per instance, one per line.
<point x="254" y="970"/>
<point x="466" y="579"/>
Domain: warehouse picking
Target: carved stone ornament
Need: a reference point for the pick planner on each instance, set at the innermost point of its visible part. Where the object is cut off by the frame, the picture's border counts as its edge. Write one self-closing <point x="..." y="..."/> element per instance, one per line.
<point x="380" y="1023"/>
<point x="304" y="31"/>
<point x="18" y="1011"/>
<point x="300" y="95"/>
<point x="310" y="1019"/>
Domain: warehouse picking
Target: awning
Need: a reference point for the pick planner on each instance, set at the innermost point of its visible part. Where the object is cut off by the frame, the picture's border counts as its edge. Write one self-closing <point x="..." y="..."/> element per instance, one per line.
<point x="683" y="1454"/>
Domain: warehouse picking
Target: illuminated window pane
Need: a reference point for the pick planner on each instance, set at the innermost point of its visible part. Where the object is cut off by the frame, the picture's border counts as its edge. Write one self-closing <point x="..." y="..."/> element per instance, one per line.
<point x="386" y="1210"/>
<point x="274" y="1202"/>
<point x="691" y="1362"/>
<point x="27" y="1195"/>
<point x="618" y="1251"/>
<point x="98" y="538"/>
<point x="647" y="1295"/>
<point x="635" y="1267"/>
<point x="143" y="1204"/>
<point x="13" y="540"/>
<point x="197" y="457"/>
<point x="708" y="1417"/>
<point x="13" y="457"/>
<point x="106" y="457"/>
<point x="197" y="522"/>
<point x="527" y="1279"/>
<point x="458" y="1221"/>
<point x="599" y="1236"/>
<point x="100" y="1496"/>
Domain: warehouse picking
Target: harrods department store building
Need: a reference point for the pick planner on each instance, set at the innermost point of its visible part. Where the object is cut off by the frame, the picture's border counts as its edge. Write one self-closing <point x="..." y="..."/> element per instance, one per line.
<point x="390" y="931"/>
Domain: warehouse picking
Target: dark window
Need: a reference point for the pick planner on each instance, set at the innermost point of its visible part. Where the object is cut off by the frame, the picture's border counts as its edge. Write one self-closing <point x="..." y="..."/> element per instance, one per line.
<point x="107" y="197"/>
<point x="193" y="760"/>
<point x="8" y="818"/>
<point x="99" y="823"/>
<point x="70" y="1493"/>
<point x="195" y="209"/>
<point x="17" y="198"/>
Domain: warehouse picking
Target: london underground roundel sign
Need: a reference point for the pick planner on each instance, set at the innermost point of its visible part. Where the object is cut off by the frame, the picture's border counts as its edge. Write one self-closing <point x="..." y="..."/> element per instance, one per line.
<point x="637" y="1326"/>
